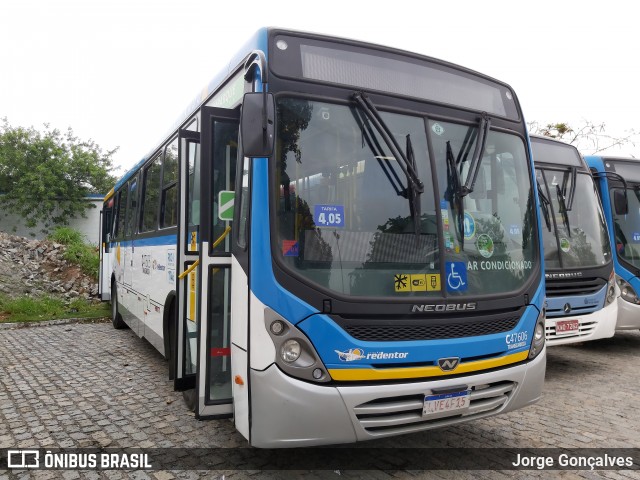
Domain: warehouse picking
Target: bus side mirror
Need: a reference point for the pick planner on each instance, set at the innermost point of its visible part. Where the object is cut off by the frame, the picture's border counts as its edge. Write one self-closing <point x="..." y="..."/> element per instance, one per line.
<point x="257" y="124"/>
<point x="620" y="202"/>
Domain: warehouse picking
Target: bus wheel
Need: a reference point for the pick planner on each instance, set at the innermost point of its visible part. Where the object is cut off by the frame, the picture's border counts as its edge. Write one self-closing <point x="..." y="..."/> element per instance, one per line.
<point x="116" y="318"/>
<point x="190" y="399"/>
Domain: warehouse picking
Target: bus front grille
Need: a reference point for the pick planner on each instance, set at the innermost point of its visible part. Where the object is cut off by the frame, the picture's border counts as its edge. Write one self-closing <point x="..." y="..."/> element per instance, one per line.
<point x="398" y="415"/>
<point x="585" y="328"/>
<point x="389" y="333"/>
<point x="574" y="286"/>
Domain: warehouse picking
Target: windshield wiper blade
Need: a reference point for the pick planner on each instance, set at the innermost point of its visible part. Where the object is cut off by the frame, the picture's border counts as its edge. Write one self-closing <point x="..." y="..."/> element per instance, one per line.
<point x="371" y="140"/>
<point x="563" y="209"/>
<point x="414" y="200"/>
<point x="569" y="202"/>
<point x="472" y="175"/>
<point x="415" y="186"/>
<point x="374" y="116"/>
<point x="544" y="203"/>
<point x="455" y="194"/>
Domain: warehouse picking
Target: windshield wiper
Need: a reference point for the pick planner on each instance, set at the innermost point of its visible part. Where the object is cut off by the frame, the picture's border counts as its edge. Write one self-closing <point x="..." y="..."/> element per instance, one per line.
<point x="369" y="137"/>
<point x="544" y="203"/>
<point x="455" y="194"/>
<point x="572" y="192"/>
<point x="563" y="209"/>
<point x="415" y="187"/>
<point x="474" y="168"/>
<point x="414" y="201"/>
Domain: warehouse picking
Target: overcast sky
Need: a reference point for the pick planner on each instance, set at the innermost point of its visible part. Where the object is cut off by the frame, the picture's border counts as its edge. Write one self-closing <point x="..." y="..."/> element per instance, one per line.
<point x="121" y="72"/>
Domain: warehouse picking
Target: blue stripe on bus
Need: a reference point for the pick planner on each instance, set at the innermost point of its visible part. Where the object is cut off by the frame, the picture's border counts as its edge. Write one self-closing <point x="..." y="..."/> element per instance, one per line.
<point x="263" y="282"/>
<point x="338" y="349"/>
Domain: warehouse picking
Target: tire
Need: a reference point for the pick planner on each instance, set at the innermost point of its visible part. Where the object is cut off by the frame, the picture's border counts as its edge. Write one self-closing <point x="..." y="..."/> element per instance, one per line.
<point x="116" y="318"/>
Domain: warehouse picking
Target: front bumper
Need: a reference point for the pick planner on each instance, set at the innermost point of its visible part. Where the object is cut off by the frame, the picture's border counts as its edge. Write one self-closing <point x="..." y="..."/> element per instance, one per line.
<point x="628" y="315"/>
<point x="593" y="326"/>
<point x="287" y="412"/>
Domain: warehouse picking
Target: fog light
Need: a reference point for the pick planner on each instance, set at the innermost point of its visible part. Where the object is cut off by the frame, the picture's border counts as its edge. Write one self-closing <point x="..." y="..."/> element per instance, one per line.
<point x="317" y="374"/>
<point x="290" y="351"/>
<point x="277" y="327"/>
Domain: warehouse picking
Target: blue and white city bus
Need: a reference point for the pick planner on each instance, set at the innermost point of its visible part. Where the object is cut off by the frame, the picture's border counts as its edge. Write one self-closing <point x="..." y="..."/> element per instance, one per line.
<point x="619" y="187"/>
<point x="581" y="295"/>
<point x="338" y="242"/>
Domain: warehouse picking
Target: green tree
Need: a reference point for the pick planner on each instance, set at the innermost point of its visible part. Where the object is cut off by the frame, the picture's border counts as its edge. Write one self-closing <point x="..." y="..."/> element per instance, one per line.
<point x="45" y="176"/>
<point x="588" y="137"/>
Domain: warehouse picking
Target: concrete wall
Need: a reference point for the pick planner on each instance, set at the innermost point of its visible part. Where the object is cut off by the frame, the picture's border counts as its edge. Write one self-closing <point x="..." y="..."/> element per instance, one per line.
<point x="87" y="226"/>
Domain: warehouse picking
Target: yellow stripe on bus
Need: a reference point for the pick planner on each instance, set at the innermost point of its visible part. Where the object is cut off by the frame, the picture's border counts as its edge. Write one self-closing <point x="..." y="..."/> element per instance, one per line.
<point x="357" y="374"/>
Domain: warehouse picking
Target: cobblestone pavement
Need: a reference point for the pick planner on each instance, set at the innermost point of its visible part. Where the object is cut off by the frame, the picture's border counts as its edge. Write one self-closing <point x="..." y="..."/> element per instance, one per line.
<point x="88" y="385"/>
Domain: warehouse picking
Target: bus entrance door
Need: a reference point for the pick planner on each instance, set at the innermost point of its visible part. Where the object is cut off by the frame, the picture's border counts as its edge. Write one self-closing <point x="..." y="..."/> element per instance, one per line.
<point x="207" y="169"/>
<point x="217" y="182"/>
<point x="186" y="333"/>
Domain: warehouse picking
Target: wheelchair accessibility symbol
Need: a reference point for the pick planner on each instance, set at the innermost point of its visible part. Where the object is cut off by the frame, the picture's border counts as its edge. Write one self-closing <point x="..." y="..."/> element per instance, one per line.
<point x="456" y="276"/>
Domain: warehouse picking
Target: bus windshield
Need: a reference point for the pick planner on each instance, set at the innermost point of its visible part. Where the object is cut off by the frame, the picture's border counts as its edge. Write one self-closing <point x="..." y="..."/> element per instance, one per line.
<point x="344" y="221"/>
<point x="576" y="236"/>
<point x="627" y="227"/>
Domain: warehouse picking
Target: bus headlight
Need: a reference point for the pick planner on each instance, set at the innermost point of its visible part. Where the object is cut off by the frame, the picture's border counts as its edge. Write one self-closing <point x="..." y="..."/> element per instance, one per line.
<point x="611" y="290"/>
<point x="627" y="292"/>
<point x="537" y="343"/>
<point x="295" y="355"/>
<point x="290" y="351"/>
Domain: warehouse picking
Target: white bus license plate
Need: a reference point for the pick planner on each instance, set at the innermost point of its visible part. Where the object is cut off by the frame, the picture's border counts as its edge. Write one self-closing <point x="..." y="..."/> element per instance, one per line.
<point x="445" y="402"/>
<point x="567" y="326"/>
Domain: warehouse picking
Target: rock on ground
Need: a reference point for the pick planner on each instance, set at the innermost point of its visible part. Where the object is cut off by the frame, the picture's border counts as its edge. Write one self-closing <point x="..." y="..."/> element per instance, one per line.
<point x="37" y="268"/>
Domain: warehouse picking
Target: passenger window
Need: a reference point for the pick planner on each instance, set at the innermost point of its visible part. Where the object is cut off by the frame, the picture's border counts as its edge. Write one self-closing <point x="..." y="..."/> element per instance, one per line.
<point x="132" y="207"/>
<point x="193" y="195"/>
<point x="225" y="141"/>
<point x="151" y="196"/>
<point x="122" y="206"/>
<point x="169" y="197"/>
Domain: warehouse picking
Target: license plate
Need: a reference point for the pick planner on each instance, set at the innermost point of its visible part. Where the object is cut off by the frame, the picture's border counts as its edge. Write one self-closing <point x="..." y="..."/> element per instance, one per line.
<point x="445" y="402"/>
<point x="567" y="326"/>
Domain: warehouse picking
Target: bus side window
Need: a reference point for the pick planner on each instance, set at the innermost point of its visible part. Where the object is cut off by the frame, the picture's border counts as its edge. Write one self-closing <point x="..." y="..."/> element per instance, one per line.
<point x="122" y="205"/>
<point x="169" y="195"/>
<point x="132" y="208"/>
<point x="225" y="156"/>
<point x="151" y="196"/>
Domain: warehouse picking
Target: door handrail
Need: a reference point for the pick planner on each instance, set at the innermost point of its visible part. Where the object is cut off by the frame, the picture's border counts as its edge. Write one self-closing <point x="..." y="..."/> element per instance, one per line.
<point x="197" y="262"/>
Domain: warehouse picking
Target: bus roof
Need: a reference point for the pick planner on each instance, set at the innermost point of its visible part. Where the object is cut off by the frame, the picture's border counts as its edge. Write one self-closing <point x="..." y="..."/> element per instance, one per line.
<point x="567" y="154"/>
<point x="616" y="159"/>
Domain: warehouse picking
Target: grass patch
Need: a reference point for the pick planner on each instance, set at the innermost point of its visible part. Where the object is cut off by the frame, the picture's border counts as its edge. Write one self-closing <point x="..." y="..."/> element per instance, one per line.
<point x="29" y="309"/>
<point x="77" y="252"/>
<point x="66" y="236"/>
